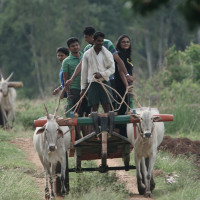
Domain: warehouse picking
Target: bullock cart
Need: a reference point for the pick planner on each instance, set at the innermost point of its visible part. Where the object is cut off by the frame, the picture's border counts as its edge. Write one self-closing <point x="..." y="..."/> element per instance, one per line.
<point x="102" y="143"/>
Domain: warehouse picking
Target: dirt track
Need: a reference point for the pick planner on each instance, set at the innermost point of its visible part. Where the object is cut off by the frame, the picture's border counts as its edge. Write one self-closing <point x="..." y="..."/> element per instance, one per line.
<point x="175" y="146"/>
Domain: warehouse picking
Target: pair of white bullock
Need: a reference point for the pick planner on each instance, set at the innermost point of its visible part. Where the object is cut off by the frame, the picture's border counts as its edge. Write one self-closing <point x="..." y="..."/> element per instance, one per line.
<point x="52" y="141"/>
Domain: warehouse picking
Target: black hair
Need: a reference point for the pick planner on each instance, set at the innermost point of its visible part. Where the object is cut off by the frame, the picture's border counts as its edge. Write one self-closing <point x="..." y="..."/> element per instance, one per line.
<point x="63" y="50"/>
<point x="72" y="40"/>
<point x="118" y="47"/>
<point x="89" y="30"/>
<point x="98" y="34"/>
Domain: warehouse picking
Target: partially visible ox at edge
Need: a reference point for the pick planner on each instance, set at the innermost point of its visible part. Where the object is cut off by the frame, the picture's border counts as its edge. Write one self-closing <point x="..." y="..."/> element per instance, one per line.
<point x="149" y="135"/>
<point x="51" y="143"/>
<point x="7" y="99"/>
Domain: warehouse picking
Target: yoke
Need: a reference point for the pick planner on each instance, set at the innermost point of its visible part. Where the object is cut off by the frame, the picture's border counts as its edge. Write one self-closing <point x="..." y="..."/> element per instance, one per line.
<point x="103" y="142"/>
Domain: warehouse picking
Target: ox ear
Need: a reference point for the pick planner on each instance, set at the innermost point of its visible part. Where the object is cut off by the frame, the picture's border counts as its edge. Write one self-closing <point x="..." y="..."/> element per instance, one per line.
<point x="60" y="132"/>
<point x="9" y="77"/>
<point x="156" y="118"/>
<point x="40" y="130"/>
<point x="136" y="117"/>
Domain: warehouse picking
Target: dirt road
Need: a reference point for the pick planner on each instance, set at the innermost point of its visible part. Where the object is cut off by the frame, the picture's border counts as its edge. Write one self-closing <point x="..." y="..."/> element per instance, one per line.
<point x="174" y="145"/>
<point x="124" y="177"/>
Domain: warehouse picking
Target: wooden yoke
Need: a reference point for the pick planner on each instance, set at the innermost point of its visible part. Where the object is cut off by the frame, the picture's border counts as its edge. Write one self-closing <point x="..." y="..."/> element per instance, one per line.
<point x="15" y="84"/>
<point x="120" y="119"/>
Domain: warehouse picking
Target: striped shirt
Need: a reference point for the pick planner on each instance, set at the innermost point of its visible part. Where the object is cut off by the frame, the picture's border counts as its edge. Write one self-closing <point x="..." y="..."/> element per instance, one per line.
<point x="106" y="43"/>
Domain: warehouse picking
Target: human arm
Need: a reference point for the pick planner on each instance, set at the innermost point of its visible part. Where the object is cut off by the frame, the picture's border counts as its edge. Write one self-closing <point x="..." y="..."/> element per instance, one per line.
<point x="122" y="70"/>
<point x="65" y="77"/>
<point x="74" y="75"/>
<point x="84" y="72"/>
<point x="57" y="90"/>
<point x="65" y="69"/>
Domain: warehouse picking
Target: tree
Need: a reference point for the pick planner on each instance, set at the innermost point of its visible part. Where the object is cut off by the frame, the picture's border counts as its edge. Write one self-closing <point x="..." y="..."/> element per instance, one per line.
<point x="189" y="9"/>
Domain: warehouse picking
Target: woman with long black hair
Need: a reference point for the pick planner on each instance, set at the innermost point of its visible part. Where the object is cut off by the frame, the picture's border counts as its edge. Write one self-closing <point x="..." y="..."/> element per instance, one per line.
<point x="123" y="47"/>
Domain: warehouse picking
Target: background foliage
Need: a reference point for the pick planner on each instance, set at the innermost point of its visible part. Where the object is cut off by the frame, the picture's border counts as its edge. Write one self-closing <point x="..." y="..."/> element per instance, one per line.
<point x="31" y="31"/>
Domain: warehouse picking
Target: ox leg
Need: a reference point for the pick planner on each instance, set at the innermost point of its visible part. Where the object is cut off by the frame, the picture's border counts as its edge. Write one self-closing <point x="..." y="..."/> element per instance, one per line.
<point x="58" y="182"/>
<point x="51" y="178"/>
<point x="63" y="168"/>
<point x="5" y="119"/>
<point x="47" y="195"/>
<point x="149" y="174"/>
<point x="67" y="175"/>
<point x="141" y="186"/>
<point x="144" y="172"/>
<point x="152" y="182"/>
<point x="13" y="117"/>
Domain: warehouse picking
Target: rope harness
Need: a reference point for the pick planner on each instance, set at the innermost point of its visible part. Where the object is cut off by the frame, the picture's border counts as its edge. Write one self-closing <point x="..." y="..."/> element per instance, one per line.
<point x="140" y="131"/>
<point x="129" y="90"/>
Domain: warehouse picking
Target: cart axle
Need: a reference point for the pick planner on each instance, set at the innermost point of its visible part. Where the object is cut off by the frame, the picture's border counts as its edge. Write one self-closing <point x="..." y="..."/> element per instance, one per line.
<point x="99" y="169"/>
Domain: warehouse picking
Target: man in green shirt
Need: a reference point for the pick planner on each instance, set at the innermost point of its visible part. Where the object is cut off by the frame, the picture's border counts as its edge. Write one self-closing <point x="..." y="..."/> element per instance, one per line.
<point x="68" y="66"/>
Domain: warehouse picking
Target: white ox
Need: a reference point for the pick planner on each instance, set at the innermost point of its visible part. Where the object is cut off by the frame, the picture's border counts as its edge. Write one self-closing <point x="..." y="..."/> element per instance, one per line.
<point x="7" y="99"/>
<point x="149" y="136"/>
<point x="51" y="143"/>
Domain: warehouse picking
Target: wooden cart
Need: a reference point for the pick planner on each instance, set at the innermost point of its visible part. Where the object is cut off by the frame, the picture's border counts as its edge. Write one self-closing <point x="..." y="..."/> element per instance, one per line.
<point x="102" y="143"/>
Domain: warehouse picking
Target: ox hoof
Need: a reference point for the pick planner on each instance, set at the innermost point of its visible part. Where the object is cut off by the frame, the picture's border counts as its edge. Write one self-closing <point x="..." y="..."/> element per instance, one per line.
<point x="148" y="195"/>
<point x="141" y="189"/>
<point x="47" y="196"/>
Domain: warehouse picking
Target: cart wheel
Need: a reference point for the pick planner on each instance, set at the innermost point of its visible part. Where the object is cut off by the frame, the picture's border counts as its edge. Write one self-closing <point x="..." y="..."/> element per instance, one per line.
<point x="77" y="159"/>
<point x="126" y="156"/>
<point x="126" y="159"/>
<point x="67" y="175"/>
<point x="104" y="149"/>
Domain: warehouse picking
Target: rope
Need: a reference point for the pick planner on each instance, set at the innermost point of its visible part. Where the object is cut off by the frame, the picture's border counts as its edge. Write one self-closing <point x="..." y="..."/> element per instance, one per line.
<point x="129" y="90"/>
<point x="79" y="99"/>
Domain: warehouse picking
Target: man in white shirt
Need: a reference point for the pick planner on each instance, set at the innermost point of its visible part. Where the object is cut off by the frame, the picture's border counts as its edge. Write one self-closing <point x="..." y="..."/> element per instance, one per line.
<point x="97" y="62"/>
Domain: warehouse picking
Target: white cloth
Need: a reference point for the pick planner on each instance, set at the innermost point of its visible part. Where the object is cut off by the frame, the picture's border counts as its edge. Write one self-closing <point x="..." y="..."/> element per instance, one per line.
<point x="92" y="62"/>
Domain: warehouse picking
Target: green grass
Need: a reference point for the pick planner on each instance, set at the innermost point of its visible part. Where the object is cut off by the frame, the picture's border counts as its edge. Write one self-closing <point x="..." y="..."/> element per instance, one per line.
<point x="88" y="185"/>
<point x="15" y="182"/>
<point x="16" y="172"/>
<point x="187" y="183"/>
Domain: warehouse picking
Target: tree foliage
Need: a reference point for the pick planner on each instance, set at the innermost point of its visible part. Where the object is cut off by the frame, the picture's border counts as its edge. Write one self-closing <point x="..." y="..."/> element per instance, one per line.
<point x="31" y="31"/>
<point x="189" y="9"/>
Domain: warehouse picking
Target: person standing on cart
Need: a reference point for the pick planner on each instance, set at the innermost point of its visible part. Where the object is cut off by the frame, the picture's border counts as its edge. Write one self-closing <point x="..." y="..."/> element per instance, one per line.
<point x="97" y="62"/>
<point x="68" y="66"/>
<point x="89" y="38"/>
<point x="123" y="47"/>
<point x="62" y="53"/>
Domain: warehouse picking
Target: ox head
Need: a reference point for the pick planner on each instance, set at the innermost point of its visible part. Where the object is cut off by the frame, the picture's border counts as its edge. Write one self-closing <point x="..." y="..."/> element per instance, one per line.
<point x="4" y="84"/>
<point x="146" y="124"/>
<point x="51" y="130"/>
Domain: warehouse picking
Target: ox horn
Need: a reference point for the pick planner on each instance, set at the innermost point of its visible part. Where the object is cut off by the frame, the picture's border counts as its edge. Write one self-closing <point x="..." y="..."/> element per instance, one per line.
<point x="9" y="77"/>
<point x="48" y="117"/>
<point x="149" y="104"/>
<point x="56" y="111"/>
<point x="2" y="79"/>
